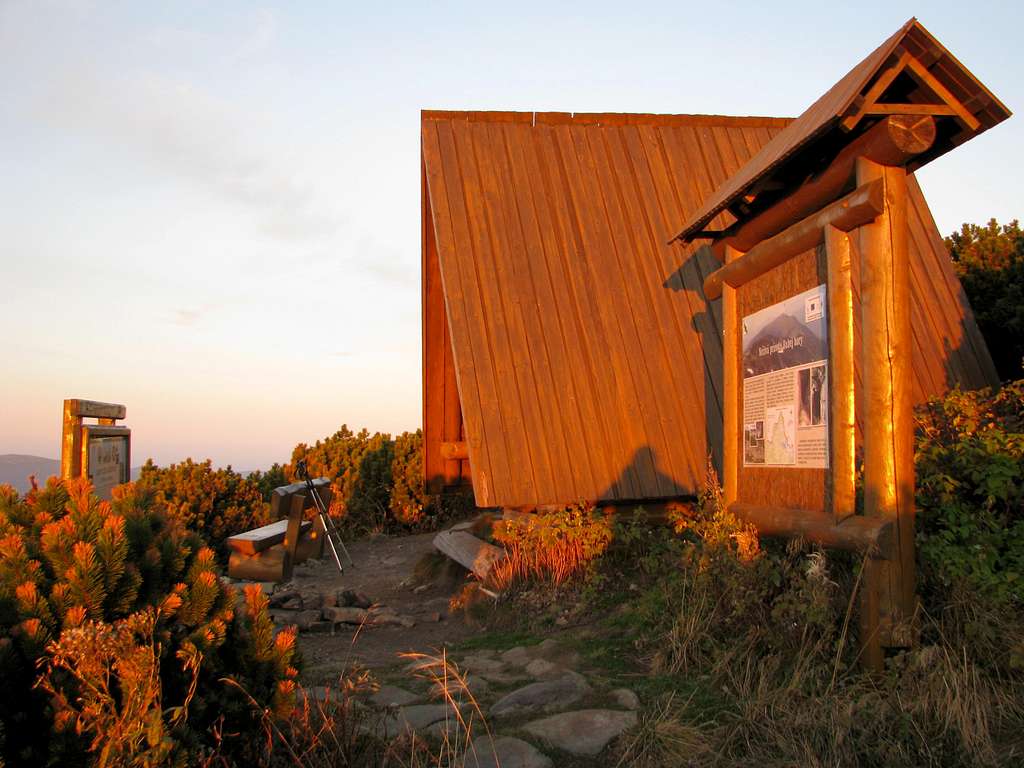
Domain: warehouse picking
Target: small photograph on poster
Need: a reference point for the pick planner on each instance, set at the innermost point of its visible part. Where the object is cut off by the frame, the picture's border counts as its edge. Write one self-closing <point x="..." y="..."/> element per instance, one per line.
<point x="780" y="435"/>
<point x="753" y="443"/>
<point x="813" y="408"/>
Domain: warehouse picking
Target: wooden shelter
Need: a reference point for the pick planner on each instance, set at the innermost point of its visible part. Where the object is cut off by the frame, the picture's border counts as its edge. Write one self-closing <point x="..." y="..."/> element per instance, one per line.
<point x="570" y="351"/>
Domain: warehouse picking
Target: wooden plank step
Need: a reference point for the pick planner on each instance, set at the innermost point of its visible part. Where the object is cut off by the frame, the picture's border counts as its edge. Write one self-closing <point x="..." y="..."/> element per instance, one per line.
<point x="259" y="539"/>
<point x="469" y="551"/>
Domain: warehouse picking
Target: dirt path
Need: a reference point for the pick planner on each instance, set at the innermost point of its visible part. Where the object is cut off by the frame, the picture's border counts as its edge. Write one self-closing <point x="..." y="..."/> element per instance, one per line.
<point x="383" y="567"/>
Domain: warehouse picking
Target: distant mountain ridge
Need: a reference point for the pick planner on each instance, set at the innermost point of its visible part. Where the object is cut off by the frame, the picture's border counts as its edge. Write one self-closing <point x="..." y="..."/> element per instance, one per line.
<point x="15" y="469"/>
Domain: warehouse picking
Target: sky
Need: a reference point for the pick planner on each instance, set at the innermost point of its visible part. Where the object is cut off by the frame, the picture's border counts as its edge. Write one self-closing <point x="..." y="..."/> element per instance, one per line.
<point x="209" y="211"/>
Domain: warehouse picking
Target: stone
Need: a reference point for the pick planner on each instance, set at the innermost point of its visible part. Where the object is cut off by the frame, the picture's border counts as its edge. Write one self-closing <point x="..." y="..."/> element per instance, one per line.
<point x="343" y="615"/>
<point x="542" y="669"/>
<point x="481" y="664"/>
<point x="584" y="732"/>
<point x="392" y="696"/>
<point x="421" y="589"/>
<point x="414" y="718"/>
<point x="328" y="599"/>
<point x="518" y="656"/>
<point x="278" y="599"/>
<point x="279" y="616"/>
<point x="305" y="620"/>
<point x="504" y="752"/>
<point x="312" y="601"/>
<point x="626" y="699"/>
<point x="546" y="696"/>
<point x="546" y="648"/>
<point x="503" y="678"/>
<point x="294" y="603"/>
<point x="394" y="618"/>
<point x="477" y="686"/>
<point x="434" y="617"/>
<point x="349" y="598"/>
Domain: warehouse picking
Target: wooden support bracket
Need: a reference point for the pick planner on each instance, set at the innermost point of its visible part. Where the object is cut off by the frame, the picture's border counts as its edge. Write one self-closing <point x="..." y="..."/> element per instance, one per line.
<point x="859" y="207"/>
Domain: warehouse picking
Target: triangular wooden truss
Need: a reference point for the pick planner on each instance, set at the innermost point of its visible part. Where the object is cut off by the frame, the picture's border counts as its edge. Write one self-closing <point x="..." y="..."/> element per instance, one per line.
<point x="948" y="104"/>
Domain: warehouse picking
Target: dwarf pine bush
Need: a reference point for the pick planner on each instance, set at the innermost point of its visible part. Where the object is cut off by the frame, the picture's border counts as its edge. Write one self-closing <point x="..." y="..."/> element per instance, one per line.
<point x="376" y="481"/>
<point x="214" y="503"/>
<point x="114" y="625"/>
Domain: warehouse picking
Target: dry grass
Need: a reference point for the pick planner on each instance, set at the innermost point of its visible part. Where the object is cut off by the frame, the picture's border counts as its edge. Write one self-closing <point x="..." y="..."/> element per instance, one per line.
<point x="337" y="728"/>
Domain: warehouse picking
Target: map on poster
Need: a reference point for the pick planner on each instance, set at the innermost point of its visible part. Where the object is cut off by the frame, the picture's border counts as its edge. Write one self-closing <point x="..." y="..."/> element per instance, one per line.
<point x="785" y="383"/>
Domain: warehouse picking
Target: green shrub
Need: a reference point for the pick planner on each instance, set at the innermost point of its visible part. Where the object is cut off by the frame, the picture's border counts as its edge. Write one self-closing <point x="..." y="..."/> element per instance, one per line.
<point x="990" y="263"/>
<point x="112" y="614"/>
<point x="267" y="481"/>
<point x="214" y="503"/>
<point x="376" y="481"/>
<point x="406" y="499"/>
<point x="970" y="493"/>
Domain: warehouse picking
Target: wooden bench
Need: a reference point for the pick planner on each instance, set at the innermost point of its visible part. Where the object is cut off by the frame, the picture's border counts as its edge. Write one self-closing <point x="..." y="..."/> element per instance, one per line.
<point x="270" y="552"/>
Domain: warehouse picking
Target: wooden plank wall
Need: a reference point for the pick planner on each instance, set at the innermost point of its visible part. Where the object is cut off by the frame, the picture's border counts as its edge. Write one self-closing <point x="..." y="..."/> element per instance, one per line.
<point x="585" y="360"/>
<point x="442" y="410"/>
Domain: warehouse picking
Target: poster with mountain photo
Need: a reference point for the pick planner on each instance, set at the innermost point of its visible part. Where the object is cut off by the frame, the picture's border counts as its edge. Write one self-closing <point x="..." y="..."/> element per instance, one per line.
<point x="785" y="383"/>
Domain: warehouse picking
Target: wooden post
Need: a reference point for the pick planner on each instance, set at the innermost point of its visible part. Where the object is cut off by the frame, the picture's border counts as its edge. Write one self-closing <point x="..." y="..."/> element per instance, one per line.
<point x="731" y="371"/>
<point x="71" y="441"/>
<point x="842" y="419"/>
<point x="291" y="536"/>
<point x="888" y="402"/>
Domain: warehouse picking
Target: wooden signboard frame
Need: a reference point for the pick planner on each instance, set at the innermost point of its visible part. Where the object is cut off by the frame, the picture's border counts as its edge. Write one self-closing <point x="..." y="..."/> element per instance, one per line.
<point x="797" y="225"/>
<point x="77" y="437"/>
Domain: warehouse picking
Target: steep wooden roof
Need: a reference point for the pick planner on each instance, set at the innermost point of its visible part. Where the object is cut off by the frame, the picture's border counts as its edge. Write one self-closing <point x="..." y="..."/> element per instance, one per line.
<point x="587" y="358"/>
<point x="844" y="100"/>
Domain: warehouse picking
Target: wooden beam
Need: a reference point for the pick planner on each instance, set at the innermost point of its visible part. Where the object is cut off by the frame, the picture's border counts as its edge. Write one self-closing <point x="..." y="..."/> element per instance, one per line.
<point x="732" y="352"/>
<point x="452" y="451"/>
<point x="876" y="91"/>
<point x="859" y="207"/>
<point x="926" y="78"/>
<point x="894" y="141"/>
<point x="887" y="395"/>
<point x="841" y="493"/>
<point x="96" y="410"/>
<point x="857" y="533"/>
<point x="469" y="551"/>
<point x="936" y="110"/>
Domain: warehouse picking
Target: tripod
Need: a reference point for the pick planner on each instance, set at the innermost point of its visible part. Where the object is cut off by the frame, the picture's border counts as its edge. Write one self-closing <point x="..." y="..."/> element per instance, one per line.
<point x="330" y="529"/>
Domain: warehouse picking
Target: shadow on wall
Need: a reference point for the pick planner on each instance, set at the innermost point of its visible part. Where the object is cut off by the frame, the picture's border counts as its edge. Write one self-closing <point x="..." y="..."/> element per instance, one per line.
<point x="644" y="466"/>
<point x="706" y="320"/>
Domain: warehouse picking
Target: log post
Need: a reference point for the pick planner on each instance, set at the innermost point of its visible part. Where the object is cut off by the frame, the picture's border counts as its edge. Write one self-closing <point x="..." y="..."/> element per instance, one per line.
<point x="71" y="441"/>
<point x="842" y="418"/>
<point x="888" y="403"/>
<point x="731" y="370"/>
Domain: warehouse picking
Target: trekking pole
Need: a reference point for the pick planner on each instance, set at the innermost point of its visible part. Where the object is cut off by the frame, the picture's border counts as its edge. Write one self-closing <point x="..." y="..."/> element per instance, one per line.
<point x="330" y="529"/>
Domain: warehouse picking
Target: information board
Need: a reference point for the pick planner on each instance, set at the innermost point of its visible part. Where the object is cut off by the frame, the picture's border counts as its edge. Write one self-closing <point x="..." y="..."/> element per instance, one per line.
<point x="785" y="383"/>
<point x="107" y="463"/>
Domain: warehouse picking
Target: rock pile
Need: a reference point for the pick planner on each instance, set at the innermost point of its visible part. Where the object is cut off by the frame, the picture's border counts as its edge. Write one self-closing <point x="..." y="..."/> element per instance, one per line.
<point x="311" y="609"/>
<point x="527" y="694"/>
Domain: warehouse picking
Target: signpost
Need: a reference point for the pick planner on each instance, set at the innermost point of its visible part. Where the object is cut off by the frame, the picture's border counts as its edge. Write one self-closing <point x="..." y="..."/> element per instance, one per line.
<point x="816" y="307"/>
<point x="100" y="452"/>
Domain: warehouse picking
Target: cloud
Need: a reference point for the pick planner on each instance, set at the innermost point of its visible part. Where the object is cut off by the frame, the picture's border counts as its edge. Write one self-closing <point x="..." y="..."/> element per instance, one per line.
<point x="189" y="133"/>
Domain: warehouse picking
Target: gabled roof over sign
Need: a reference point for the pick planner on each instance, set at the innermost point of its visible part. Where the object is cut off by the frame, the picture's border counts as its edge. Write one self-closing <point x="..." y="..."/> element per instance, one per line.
<point x="910" y="73"/>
